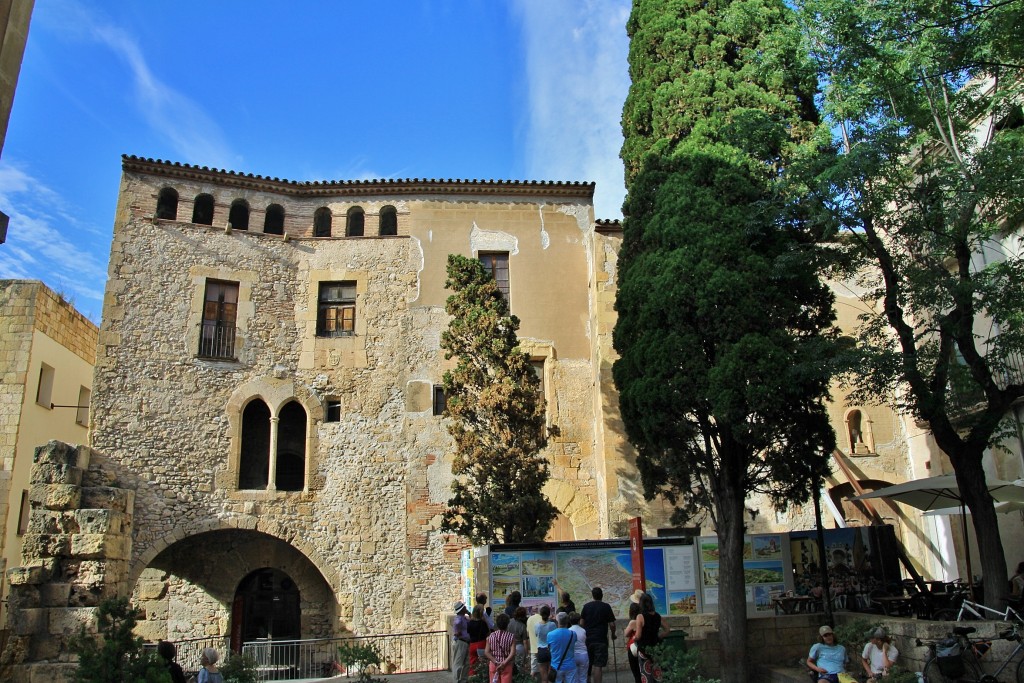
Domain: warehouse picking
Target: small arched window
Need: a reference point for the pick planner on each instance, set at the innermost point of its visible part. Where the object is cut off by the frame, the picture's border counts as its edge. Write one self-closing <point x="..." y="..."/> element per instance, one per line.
<point x="389" y="221"/>
<point x="858" y="432"/>
<point x="239" y="215"/>
<point x="354" y="224"/>
<point x="254" y="464"/>
<point x="167" y="204"/>
<point x="322" y="222"/>
<point x="202" y="210"/>
<point x="273" y="224"/>
<point x="291" y="448"/>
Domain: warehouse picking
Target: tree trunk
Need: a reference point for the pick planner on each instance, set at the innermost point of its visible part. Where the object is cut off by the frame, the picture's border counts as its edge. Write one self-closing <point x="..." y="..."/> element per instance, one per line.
<point x="732" y="595"/>
<point x="970" y="477"/>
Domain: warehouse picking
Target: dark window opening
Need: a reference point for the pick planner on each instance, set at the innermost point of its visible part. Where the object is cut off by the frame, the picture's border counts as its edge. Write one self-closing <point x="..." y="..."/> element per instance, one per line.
<point x="238" y="218"/>
<point x="202" y="210"/>
<point x="356" y="219"/>
<point x="322" y="222"/>
<point x="496" y="263"/>
<point x="23" y="513"/>
<point x="273" y="223"/>
<point x="220" y="307"/>
<point x="440" y="400"/>
<point x="538" y="370"/>
<point x="254" y="465"/>
<point x="389" y="221"/>
<point x="291" y="448"/>
<point x="332" y="411"/>
<point x="167" y="204"/>
<point x="336" y="313"/>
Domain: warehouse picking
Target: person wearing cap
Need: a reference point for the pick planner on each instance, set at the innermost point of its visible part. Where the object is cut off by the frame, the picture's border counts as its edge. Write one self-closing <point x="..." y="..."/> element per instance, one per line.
<point x="460" y="643"/>
<point x="879" y="654"/>
<point x="827" y="658"/>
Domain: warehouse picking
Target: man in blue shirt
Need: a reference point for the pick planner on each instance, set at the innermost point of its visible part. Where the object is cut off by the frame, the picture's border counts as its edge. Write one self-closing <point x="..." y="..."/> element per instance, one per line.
<point x="561" y="644"/>
<point x="827" y="658"/>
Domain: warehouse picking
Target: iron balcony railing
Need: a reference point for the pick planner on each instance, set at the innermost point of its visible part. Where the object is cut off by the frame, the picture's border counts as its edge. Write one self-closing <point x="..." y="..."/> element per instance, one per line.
<point x="217" y="340"/>
<point x="282" y="660"/>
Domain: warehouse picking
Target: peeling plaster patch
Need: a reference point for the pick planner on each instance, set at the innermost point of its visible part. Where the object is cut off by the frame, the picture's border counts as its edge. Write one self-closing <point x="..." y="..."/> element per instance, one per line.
<point x="419" y="267"/>
<point x="492" y="240"/>
<point x="545" y="238"/>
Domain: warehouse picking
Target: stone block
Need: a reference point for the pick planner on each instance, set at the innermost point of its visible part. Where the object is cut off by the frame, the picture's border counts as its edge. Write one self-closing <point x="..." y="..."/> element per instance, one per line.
<point x="29" y="576"/>
<point x="99" y="521"/>
<point x="93" y="546"/>
<point x="46" y="545"/>
<point x="108" y="498"/>
<point x="51" y="522"/>
<point x="56" y="473"/>
<point x="68" y="621"/>
<point x="29" y="621"/>
<point x="89" y="595"/>
<point x="53" y="672"/>
<point x="47" y="648"/>
<point x="57" y="496"/>
<point x="151" y="590"/>
<point x="57" y="453"/>
<point x="54" y="594"/>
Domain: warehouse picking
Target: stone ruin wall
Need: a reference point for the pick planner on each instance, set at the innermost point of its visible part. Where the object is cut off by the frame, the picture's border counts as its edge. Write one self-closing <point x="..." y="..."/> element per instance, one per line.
<point x="75" y="555"/>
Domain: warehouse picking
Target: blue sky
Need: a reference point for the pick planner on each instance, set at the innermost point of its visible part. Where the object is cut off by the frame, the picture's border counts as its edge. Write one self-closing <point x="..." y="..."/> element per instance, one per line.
<point x="347" y="89"/>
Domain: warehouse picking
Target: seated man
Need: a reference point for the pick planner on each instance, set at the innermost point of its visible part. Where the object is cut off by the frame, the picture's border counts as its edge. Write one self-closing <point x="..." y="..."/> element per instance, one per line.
<point x="879" y="655"/>
<point x="827" y="659"/>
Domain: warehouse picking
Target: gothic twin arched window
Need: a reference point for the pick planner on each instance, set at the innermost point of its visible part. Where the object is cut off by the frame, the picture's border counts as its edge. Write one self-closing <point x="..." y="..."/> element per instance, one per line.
<point x="273" y="453"/>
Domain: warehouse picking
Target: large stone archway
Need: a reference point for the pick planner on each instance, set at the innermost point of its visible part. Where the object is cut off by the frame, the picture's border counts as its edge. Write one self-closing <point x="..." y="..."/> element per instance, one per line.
<point x="187" y="590"/>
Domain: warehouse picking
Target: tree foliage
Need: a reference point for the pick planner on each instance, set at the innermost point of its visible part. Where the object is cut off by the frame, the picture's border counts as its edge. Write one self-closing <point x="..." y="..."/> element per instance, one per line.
<point x="925" y="101"/>
<point x="495" y="414"/>
<point x="724" y="329"/>
<point x="114" y="654"/>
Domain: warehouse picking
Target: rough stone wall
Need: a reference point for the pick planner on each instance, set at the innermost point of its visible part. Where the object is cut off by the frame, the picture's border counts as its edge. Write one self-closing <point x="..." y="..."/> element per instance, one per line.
<point x="75" y="555"/>
<point x="377" y="479"/>
<point x="17" y="309"/>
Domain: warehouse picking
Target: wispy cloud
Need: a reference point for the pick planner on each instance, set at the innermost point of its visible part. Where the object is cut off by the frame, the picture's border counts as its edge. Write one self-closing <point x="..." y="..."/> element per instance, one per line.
<point x="38" y="244"/>
<point x="180" y="121"/>
<point x="578" y="78"/>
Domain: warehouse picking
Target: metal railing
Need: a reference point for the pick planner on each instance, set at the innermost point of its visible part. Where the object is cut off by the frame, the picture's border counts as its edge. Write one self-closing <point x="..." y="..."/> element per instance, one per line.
<point x="217" y="340"/>
<point x="190" y="650"/>
<point x="280" y="660"/>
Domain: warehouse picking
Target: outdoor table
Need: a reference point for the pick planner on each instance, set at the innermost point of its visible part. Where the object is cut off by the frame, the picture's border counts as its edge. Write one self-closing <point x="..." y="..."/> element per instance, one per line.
<point x="893" y="605"/>
<point x="791" y="604"/>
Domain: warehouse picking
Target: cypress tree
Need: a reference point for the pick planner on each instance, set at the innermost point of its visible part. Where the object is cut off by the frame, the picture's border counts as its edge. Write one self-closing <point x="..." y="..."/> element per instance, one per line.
<point x="725" y="328"/>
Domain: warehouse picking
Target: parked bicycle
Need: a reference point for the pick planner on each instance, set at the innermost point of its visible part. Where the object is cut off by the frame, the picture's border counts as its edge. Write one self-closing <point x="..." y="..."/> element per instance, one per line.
<point x="959" y="658"/>
<point x="971" y="611"/>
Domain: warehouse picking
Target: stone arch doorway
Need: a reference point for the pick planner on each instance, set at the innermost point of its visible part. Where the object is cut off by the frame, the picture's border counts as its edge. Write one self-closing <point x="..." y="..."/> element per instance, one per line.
<point x="189" y="589"/>
<point x="267" y="605"/>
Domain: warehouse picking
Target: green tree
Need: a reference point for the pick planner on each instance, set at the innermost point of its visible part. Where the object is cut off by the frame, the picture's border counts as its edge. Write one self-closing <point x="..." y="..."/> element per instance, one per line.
<point x="925" y="101"/>
<point x="114" y="655"/>
<point x="724" y="328"/>
<point x="496" y="416"/>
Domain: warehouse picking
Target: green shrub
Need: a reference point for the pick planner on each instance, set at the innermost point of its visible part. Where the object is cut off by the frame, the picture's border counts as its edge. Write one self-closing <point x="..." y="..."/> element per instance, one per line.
<point x="239" y="669"/>
<point x="114" y="654"/>
<point x="679" y="664"/>
<point x="364" y="658"/>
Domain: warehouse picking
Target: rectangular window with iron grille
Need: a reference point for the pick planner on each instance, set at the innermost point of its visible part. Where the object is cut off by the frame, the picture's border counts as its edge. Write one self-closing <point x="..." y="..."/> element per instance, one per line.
<point x="220" y="308"/>
<point x="496" y="263"/>
<point x="336" y="312"/>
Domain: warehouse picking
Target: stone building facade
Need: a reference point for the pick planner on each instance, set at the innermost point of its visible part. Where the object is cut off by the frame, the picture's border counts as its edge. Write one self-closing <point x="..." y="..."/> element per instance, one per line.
<point x="267" y="383"/>
<point x="268" y="457"/>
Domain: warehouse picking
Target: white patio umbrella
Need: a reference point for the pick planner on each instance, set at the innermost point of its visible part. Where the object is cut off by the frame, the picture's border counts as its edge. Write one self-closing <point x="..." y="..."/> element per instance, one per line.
<point x="942" y="493"/>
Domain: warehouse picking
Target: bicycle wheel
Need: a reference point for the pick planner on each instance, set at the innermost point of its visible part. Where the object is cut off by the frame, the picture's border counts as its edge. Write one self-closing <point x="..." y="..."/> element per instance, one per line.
<point x="933" y="675"/>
